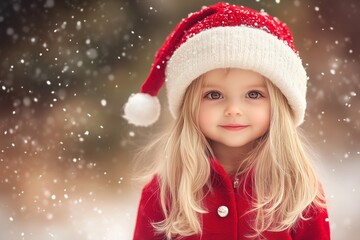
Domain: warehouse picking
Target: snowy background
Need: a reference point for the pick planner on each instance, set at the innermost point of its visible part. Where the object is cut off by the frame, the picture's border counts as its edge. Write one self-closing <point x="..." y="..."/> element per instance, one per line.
<point x="66" y="69"/>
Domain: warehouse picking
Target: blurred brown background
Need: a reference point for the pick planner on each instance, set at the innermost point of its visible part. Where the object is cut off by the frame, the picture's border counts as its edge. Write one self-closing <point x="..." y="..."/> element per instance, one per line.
<point x="67" y="67"/>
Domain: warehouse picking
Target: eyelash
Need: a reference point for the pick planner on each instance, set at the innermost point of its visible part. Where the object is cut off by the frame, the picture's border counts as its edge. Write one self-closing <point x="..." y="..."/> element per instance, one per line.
<point x="208" y="95"/>
<point x="259" y="95"/>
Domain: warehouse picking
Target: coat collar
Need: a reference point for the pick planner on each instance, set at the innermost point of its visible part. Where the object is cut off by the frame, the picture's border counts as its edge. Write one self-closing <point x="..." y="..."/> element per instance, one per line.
<point x="220" y="178"/>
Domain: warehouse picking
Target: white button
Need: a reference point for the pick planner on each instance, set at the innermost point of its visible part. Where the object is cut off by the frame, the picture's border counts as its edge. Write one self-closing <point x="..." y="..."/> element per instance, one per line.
<point x="223" y="211"/>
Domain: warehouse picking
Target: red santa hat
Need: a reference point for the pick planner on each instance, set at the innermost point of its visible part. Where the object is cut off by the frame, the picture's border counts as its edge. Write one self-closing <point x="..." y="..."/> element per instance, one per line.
<point x="221" y="36"/>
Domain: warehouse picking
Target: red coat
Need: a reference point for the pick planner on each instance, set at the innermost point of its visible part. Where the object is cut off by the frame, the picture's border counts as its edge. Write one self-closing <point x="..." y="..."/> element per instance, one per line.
<point x="233" y="226"/>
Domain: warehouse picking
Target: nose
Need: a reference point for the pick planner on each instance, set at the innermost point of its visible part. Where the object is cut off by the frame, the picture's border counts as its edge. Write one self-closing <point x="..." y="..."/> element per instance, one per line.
<point x="233" y="109"/>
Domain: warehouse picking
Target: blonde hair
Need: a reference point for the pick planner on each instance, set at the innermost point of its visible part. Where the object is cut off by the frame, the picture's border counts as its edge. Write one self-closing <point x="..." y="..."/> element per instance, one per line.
<point x="284" y="182"/>
<point x="283" y="179"/>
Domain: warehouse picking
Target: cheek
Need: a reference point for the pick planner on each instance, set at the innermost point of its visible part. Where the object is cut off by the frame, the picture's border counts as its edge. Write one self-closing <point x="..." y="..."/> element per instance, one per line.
<point x="261" y="116"/>
<point x="206" y="117"/>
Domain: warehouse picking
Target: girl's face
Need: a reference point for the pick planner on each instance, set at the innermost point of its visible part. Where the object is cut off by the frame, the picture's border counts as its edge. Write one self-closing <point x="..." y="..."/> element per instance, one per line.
<point x="234" y="109"/>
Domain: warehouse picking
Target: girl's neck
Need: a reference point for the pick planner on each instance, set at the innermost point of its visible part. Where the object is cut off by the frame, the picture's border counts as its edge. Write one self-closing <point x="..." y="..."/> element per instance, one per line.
<point x="230" y="157"/>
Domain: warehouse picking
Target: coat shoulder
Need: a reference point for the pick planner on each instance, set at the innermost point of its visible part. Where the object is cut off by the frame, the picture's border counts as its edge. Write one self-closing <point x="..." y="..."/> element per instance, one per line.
<point x="314" y="226"/>
<point x="150" y="196"/>
<point x="149" y="212"/>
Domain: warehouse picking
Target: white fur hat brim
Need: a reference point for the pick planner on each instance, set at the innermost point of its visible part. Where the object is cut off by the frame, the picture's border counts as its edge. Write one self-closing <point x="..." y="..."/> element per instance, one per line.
<point x="237" y="47"/>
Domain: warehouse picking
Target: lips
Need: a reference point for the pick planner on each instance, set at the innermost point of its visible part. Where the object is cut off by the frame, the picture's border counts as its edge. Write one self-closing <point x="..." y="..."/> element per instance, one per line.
<point x="233" y="127"/>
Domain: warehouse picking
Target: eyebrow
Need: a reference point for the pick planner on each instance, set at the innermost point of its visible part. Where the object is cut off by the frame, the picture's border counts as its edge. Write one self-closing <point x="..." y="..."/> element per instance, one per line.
<point x="211" y="86"/>
<point x="257" y="86"/>
<point x="248" y="86"/>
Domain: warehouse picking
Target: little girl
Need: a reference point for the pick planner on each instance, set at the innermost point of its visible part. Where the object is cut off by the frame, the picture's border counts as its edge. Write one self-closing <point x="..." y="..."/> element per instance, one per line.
<point x="232" y="165"/>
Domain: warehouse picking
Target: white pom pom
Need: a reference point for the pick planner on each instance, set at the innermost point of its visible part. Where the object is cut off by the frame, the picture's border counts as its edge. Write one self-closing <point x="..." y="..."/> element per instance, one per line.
<point x="142" y="109"/>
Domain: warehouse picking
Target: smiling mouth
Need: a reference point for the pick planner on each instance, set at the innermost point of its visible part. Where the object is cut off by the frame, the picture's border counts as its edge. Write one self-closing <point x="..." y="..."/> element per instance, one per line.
<point x="233" y="127"/>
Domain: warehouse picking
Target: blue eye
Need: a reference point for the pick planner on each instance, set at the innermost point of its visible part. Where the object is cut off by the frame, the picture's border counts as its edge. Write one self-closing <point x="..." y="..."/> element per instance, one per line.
<point x="254" y="95"/>
<point x="213" y="95"/>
